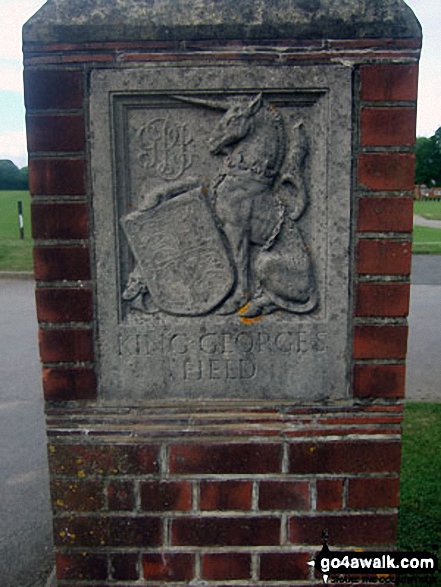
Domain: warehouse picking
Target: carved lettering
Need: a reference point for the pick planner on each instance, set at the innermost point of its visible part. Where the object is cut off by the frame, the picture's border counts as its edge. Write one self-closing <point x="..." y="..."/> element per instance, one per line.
<point x="295" y="341"/>
<point x="218" y="369"/>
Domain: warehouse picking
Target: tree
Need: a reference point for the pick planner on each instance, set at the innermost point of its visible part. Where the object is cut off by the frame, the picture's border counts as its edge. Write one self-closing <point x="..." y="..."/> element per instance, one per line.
<point x="428" y="160"/>
<point x="11" y="177"/>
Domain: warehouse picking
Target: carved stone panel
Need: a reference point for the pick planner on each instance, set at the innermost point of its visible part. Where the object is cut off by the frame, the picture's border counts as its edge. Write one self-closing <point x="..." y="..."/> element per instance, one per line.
<point x="221" y="202"/>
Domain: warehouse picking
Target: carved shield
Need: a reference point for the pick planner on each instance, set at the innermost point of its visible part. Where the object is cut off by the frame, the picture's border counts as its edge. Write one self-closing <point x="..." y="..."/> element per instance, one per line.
<point x="181" y="254"/>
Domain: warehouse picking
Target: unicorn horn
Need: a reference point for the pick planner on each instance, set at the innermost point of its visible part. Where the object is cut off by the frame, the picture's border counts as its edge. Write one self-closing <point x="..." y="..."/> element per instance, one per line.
<point x="213" y="104"/>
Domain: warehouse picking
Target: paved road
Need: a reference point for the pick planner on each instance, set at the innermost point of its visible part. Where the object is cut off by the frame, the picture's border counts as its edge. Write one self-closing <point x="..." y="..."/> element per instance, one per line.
<point x="423" y="358"/>
<point x="426" y="270"/>
<point x="25" y="527"/>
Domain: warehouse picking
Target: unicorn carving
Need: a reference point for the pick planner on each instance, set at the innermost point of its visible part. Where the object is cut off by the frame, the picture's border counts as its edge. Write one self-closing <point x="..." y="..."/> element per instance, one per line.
<point x="258" y="207"/>
<point x="256" y="200"/>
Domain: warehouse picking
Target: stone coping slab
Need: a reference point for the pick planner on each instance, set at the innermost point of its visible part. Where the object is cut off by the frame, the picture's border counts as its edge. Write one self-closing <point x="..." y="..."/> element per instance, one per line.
<point x="248" y="20"/>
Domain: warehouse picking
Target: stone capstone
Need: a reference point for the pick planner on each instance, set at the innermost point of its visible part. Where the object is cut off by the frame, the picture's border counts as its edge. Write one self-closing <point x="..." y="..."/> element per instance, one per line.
<point x="247" y="20"/>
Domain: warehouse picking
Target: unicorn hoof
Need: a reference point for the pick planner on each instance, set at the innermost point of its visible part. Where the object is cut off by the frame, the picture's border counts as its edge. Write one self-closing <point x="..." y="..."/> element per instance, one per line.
<point x="259" y="306"/>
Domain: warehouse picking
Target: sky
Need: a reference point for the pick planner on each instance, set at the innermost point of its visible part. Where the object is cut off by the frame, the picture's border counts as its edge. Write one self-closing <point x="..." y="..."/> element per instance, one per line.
<point x="14" y="13"/>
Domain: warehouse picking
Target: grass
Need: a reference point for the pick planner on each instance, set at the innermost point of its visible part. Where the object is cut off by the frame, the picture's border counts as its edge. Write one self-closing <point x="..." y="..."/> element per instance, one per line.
<point x="15" y="254"/>
<point x="420" y="502"/>
<point x="426" y="240"/>
<point x="428" y="209"/>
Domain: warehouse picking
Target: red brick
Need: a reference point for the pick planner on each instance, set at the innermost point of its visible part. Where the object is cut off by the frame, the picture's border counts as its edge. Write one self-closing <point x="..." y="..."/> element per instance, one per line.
<point x="284" y="566"/>
<point x="384" y="257"/>
<point x="226" y="458"/>
<point x="63" y="345"/>
<point x="389" y="82"/>
<point x="226" y="566"/>
<point x="80" y="531"/>
<point x="124" y="566"/>
<point x="329" y="494"/>
<point x="53" y="89"/>
<point x="226" y="495"/>
<point x="57" y="177"/>
<point x="59" y="221"/>
<point x="168" y="566"/>
<point x="380" y="342"/>
<point x="64" y="305"/>
<point x="84" y="496"/>
<point x="84" y="531"/>
<point x="239" y="531"/>
<point x="385" y="215"/>
<point x="386" y="171"/>
<point x="388" y="126"/>
<point x="81" y="566"/>
<point x="284" y="495"/>
<point x="379" y="380"/>
<point x="166" y="495"/>
<point x="56" y="133"/>
<point x="120" y="496"/>
<point x="96" y="584"/>
<point x="344" y="457"/>
<point x="382" y="299"/>
<point x="69" y="384"/>
<point x="373" y="493"/>
<point x="108" y="459"/>
<point x="344" y="530"/>
<point x="61" y="263"/>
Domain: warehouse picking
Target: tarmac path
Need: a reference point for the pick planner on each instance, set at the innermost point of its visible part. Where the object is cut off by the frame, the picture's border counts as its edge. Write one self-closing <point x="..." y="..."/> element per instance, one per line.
<point x="25" y="528"/>
<point x="421" y="221"/>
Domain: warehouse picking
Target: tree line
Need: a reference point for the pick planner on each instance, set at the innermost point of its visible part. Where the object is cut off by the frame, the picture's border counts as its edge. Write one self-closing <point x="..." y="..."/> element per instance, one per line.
<point x="13" y="178"/>
<point x="428" y="160"/>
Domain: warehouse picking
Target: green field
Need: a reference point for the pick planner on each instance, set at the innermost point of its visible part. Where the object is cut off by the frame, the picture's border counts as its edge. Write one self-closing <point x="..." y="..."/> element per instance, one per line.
<point x="428" y="209"/>
<point x="426" y="240"/>
<point x="420" y="501"/>
<point x="15" y="254"/>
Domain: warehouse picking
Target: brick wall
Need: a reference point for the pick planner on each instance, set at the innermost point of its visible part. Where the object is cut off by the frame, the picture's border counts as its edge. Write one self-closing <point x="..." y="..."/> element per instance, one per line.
<point x="157" y="496"/>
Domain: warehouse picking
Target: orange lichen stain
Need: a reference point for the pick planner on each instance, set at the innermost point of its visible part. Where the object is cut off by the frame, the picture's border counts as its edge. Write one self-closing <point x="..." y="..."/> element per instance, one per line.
<point x="204" y="190"/>
<point x="81" y="474"/>
<point x="245" y="320"/>
<point x="251" y="320"/>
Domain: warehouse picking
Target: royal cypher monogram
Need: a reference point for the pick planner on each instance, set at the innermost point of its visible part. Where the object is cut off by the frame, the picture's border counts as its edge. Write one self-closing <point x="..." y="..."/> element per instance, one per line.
<point x="165" y="148"/>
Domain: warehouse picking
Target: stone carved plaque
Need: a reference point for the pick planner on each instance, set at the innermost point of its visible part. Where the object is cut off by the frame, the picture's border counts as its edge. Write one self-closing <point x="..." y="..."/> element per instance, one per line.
<point x="222" y="232"/>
